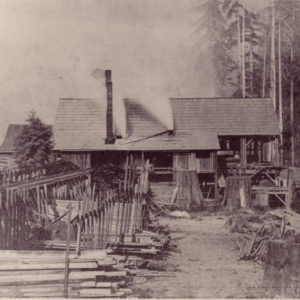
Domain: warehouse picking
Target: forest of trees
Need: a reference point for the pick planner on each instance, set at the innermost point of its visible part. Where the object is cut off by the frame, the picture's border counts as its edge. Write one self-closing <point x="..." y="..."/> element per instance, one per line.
<point x="256" y="53"/>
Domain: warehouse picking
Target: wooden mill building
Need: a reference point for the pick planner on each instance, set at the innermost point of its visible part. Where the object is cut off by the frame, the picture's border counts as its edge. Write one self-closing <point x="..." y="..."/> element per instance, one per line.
<point x="212" y="136"/>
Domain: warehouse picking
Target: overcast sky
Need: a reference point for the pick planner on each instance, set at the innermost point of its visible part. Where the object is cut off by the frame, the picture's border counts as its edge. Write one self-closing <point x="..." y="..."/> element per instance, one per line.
<point x="57" y="48"/>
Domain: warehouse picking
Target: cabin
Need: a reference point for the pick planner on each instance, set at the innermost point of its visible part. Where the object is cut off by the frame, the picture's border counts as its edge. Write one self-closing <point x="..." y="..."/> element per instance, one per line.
<point x="7" y="148"/>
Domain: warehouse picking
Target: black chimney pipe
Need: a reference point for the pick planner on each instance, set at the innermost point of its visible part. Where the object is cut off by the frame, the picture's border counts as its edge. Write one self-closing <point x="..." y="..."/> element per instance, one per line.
<point x="109" y="109"/>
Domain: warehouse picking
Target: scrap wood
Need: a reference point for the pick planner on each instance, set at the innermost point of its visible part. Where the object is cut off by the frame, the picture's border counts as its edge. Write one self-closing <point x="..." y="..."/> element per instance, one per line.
<point x="254" y="247"/>
<point x="174" y="195"/>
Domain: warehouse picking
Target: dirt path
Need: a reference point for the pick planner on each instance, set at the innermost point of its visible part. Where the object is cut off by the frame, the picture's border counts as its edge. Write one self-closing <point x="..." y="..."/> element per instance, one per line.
<point x="206" y="264"/>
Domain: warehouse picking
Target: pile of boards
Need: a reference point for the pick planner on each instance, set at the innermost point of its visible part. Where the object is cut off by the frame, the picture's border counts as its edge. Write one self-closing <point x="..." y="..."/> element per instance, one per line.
<point x="42" y="274"/>
<point x="256" y="230"/>
<point x="95" y="273"/>
<point x="143" y="243"/>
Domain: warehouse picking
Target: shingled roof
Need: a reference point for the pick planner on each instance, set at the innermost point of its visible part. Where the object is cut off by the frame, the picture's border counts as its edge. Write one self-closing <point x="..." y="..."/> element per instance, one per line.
<point x="140" y="122"/>
<point x="170" y="142"/>
<point x="80" y="124"/>
<point x="145" y="132"/>
<point x="225" y="116"/>
<point x="8" y="144"/>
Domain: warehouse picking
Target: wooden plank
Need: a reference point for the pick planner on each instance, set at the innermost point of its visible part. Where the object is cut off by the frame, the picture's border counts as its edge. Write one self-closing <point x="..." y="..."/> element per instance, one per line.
<point x="47" y="180"/>
<point x="43" y="278"/>
<point x="66" y="281"/>
<point x="31" y="265"/>
<point x="36" y="254"/>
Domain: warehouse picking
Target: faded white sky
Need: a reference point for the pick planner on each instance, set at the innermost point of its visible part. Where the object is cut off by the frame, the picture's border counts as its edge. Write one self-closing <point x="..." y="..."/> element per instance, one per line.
<point x="49" y="49"/>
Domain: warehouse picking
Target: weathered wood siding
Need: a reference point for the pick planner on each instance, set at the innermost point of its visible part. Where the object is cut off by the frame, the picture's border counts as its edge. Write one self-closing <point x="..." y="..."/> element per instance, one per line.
<point x="270" y="152"/>
<point x="194" y="161"/>
<point x="82" y="160"/>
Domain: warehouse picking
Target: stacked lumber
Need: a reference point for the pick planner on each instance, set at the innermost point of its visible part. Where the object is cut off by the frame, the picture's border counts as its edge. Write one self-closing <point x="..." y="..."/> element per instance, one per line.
<point x="143" y="244"/>
<point x="42" y="274"/>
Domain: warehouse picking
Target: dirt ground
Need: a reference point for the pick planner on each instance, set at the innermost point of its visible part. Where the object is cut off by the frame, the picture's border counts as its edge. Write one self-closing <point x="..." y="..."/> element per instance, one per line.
<point x="205" y="264"/>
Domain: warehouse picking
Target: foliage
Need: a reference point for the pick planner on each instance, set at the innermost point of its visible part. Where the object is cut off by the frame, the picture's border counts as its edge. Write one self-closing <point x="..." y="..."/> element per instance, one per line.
<point x="60" y="167"/>
<point x="33" y="144"/>
<point x="106" y="177"/>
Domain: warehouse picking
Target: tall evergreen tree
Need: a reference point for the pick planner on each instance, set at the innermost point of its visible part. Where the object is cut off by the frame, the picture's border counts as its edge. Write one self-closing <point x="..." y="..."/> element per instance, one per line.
<point x="211" y="29"/>
<point x="33" y="144"/>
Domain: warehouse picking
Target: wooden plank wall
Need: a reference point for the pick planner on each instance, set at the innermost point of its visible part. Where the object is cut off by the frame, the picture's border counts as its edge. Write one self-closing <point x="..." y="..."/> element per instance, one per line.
<point x="190" y="161"/>
<point x="82" y="159"/>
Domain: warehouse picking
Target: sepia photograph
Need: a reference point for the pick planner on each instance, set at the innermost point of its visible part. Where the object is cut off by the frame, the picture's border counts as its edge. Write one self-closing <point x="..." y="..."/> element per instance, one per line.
<point x="149" y="149"/>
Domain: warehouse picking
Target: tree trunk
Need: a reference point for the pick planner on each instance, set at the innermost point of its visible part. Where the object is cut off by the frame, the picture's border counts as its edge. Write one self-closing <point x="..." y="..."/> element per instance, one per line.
<point x="243" y="54"/>
<point x="273" y="62"/>
<point x="280" y="93"/>
<point x="239" y="49"/>
<point x="292" y="97"/>
<point x="282" y="275"/>
<point x="251" y="59"/>
<point x="264" y="68"/>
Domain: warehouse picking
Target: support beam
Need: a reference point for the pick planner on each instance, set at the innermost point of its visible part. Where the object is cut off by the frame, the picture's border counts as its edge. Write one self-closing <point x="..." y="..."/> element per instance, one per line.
<point x="243" y="150"/>
<point x="216" y="178"/>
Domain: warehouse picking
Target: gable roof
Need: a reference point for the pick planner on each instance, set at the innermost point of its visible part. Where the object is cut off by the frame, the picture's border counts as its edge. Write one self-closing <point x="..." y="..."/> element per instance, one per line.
<point x="80" y="124"/>
<point x="8" y="144"/>
<point x="140" y="122"/>
<point x="146" y="133"/>
<point x="225" y="116"/>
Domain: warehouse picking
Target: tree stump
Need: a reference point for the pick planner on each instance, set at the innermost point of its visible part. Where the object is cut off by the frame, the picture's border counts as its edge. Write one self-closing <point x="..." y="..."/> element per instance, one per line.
<point x="189" y="195"/>
<point x="237" y="192"/>
<point x="282" y="270"/>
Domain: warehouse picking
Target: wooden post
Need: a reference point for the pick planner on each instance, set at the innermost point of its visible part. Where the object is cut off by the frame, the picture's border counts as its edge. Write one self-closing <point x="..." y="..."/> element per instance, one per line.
<point x="38" y="202"/>
<point x="289" y="200"/>
<point x="67" y="251"/>
<point x="243" y="150"/>
<point x="215" y="158"/>
<point x="277" y="154"/>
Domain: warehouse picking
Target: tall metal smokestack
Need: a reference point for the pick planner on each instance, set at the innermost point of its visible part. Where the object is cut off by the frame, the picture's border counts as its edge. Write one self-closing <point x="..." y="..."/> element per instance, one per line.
<point x="109" y="110"/>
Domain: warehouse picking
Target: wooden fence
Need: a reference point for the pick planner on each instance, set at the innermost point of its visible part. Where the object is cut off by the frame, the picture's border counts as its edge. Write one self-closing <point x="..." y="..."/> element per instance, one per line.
<point x="29" y="206"/>
<point x="110" y="218"/>
<point x="15" y="221"/>
<point x="102" y="219"/>
<point x="8" y="176"/>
